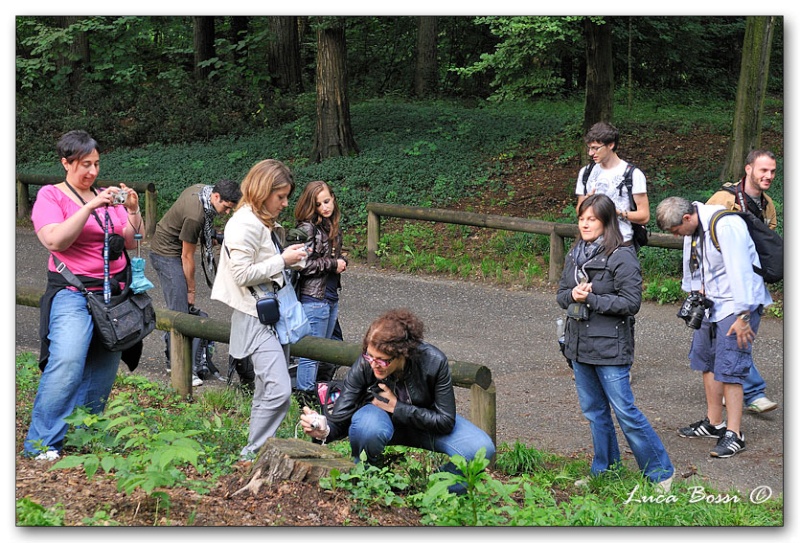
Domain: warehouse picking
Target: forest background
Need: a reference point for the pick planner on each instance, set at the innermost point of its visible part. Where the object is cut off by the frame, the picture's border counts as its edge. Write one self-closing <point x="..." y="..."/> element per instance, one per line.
<point x="170" y="104"/>
<point x="435" y="111"/>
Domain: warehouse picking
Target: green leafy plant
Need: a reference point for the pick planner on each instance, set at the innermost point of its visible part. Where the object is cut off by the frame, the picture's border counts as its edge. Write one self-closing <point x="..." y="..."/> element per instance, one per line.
<point x="664" y="291"/>
<point x="485" y="501"/>
<point x="30" y="513"/>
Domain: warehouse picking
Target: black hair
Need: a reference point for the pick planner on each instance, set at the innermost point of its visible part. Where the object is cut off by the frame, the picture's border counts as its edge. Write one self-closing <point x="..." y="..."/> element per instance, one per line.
<point x="605" y="210"/>
<point x="228" y="191"/>
<point x="76" y="144"/>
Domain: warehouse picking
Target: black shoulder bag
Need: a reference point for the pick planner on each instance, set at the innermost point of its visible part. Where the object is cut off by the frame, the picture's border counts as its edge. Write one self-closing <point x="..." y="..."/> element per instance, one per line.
<point x="123" y="322"/>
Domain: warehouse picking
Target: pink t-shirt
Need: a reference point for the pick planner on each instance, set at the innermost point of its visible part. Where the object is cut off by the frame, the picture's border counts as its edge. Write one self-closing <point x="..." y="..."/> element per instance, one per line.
<point x="85" y="255"/>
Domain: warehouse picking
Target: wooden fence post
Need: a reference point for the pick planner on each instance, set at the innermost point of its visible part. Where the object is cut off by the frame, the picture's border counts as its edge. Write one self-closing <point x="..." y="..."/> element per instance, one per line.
<point x="23" y="200"/>
<point x="483" y="409"/>
<point x="556" y="257"/>
<point x="373" y="235"/>
<point x="180" y="356"/>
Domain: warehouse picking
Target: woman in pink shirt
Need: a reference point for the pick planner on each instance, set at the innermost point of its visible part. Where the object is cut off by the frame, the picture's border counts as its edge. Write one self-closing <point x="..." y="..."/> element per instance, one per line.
<point x="70" y="220"/>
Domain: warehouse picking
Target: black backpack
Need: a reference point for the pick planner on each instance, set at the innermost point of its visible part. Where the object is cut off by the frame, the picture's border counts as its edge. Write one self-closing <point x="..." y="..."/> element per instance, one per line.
<point x="641" y="234"/>
<point x="769" y="244"/>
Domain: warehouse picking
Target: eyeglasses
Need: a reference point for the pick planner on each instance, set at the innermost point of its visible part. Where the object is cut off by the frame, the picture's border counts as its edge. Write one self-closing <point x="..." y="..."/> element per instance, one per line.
<point x="595" y="148"/>
<point x="372" y="360"/>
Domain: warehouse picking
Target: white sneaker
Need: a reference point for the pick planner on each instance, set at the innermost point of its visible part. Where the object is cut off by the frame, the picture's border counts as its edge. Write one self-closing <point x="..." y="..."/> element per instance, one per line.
<point x="762" y="405"/>
<point x="580" y="483"/>
<point x="196" y="381"/>
<point x="48" y="456"/>
<point x="663" y="487"/>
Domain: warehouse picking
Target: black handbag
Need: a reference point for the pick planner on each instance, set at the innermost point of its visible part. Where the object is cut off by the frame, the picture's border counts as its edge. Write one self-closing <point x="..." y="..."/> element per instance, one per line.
<point x="267" y="308"/>
<point x="123" y="322"/>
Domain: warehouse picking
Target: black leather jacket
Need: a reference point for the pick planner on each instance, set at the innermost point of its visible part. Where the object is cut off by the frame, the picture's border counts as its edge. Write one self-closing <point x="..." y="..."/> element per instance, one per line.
<point x="427" y="380"/>
<point x="321" y="262"/>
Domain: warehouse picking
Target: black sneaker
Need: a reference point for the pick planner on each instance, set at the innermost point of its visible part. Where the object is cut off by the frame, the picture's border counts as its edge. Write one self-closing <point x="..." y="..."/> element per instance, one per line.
<point x="703" y="428"/>
<point x="728" y="445"/>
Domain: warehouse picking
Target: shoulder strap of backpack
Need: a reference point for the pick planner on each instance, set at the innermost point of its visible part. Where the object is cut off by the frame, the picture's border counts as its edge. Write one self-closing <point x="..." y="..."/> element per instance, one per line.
<point x="712" y="225"/>
<point x="586" y="171"/>
<point x="627" y="178"/>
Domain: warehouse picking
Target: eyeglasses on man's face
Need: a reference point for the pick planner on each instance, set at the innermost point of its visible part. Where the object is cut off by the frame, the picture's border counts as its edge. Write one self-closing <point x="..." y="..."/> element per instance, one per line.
<point x="372" y="360"/>
<point x="594" y="148"/>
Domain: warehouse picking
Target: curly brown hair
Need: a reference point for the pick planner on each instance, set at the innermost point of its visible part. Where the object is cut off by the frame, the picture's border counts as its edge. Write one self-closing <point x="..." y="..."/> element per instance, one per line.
<point x="398" y="332"/>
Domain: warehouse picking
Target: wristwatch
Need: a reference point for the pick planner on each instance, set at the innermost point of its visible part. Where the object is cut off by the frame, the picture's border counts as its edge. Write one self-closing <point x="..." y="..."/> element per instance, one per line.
<point x="745" y="317"/>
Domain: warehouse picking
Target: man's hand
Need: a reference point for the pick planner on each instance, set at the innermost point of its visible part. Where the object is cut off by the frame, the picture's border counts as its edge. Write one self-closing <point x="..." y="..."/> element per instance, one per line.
<point x="744" y="334"/>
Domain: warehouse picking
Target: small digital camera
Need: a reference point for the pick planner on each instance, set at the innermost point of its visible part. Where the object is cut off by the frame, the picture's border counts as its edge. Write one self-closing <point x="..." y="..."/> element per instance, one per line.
<point x="120" y="197"/>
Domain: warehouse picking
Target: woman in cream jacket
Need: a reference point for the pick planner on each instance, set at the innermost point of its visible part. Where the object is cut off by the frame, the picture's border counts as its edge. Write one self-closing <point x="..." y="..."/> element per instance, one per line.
<point x="250" y="259"/>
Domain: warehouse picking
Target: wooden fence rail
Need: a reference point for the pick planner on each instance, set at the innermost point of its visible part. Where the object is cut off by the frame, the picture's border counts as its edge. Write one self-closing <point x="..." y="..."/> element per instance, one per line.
<point x="558" y="232"/>
<point x="149" y="209"/>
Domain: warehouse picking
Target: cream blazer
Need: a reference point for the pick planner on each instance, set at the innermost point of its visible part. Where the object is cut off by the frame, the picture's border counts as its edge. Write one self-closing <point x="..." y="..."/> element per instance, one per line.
<point x="248" y="258"/>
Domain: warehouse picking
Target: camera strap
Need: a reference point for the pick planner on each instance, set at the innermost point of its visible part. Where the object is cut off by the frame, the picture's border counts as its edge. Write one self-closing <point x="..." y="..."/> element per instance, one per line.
<point x="697" y="253"/>
<point x="96" y="216"/>
<point x="251" y="289"/>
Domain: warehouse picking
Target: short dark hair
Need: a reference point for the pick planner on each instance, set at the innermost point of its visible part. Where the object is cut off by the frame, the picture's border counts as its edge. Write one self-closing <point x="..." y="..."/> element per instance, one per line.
<point x="76" y="144"/>
<point x="228" y="191"/>
<point x="603" y="132"/>
<point x="755" y="154"/>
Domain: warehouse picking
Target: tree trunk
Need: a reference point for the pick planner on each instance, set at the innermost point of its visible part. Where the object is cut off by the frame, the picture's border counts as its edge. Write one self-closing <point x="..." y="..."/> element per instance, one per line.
<point x="203" y="45"/>
<point x="334" y="134"/>
<point x="238" y="32"/>
<point x="78" y="58"/>
<point x="284" y="54"/>
<point x="426" y="72"/>
<point x="599" y="104"/>
<point x="750" y="94"/>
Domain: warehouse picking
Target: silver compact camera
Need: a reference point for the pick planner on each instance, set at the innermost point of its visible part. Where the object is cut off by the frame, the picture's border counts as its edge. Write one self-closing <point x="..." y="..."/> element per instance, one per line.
<point x="120" y="197"/>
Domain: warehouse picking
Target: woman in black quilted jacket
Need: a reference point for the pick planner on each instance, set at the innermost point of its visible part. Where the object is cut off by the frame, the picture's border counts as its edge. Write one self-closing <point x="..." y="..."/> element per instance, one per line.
<point x="601" y="289"/>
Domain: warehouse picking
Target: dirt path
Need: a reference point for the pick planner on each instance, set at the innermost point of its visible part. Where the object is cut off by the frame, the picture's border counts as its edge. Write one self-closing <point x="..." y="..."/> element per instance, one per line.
<point x="513" y="333"/>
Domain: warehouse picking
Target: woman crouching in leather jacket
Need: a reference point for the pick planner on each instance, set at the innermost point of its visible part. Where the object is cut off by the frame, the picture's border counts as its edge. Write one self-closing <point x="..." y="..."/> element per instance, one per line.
<point x="399" y="392"/>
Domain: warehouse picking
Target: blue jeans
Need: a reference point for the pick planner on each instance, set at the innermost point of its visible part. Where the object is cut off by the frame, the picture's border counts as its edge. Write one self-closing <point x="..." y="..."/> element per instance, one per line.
<point x="599" y="389"/>
<point x="754" y="386"/>
<point x="372" y="429"/>
<point x="322" y="316"/>
<point x="176" y="292"/>
<point x="79" y="372"/>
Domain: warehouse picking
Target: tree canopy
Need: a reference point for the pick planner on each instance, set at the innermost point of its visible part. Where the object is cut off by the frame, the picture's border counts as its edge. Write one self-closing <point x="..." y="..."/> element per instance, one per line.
<point x="141" y="79"/>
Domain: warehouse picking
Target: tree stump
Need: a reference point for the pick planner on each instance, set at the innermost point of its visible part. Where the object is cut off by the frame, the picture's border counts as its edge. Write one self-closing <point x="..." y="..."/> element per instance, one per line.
<point x="293" y="460"/>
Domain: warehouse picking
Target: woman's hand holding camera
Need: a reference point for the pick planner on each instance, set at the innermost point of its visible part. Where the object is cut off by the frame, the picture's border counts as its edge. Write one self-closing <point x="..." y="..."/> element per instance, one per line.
<point x="383" y="397"/>
<point x="294" y="253"/>
<point x="581" y="291"/>
<point x="314" y="424"/>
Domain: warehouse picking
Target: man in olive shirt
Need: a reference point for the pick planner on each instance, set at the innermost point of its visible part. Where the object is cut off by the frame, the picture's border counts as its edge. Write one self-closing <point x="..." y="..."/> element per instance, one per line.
<point x="186" y="224"/>
<point x="749" y="194"/>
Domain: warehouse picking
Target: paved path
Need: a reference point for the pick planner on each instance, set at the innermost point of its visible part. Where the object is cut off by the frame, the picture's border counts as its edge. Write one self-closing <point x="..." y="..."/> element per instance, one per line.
<point x="513" y="333"/>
